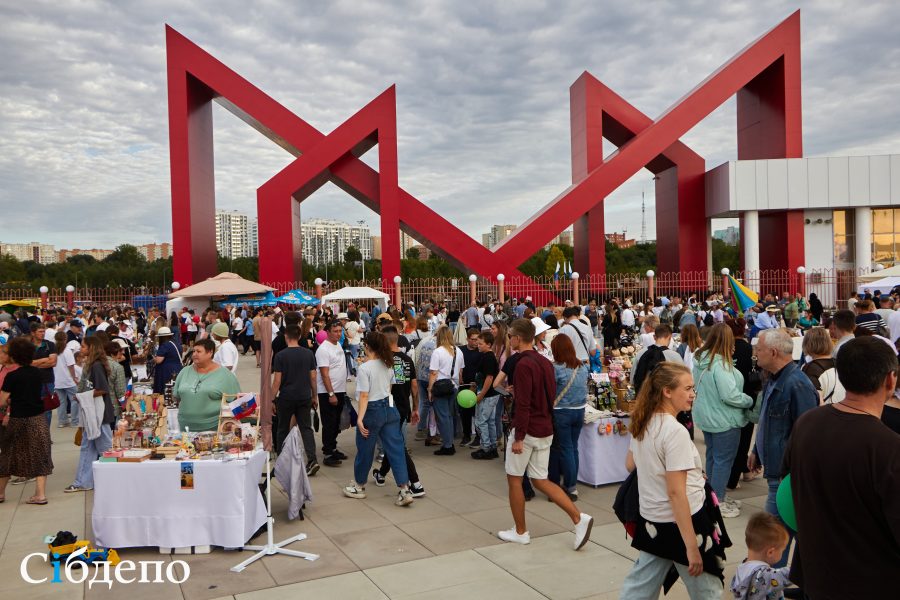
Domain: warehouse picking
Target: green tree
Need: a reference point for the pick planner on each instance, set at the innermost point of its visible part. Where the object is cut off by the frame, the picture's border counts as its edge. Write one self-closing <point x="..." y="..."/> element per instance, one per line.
<point x="11" y="270"/>
<point x="554" y="257"/>
<point x="412" y="254"/>
<point x="724" y="255"/>
<point x="125" y="255"/>
<point x="352" y="255"/>
<point x="81" y="260"/>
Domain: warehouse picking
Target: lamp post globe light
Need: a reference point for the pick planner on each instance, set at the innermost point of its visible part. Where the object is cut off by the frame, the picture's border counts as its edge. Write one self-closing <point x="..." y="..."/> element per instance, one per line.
<point x="650" y="273"/>
<point x="44" y="289"/>
<point x="397" y="279"/>
<point x="473" y="278"/>
<point x="176" y="285"/>
<point x="574" y="275"/>
<point x="70" y="288"/>
<point x="801" y="270"/>
<point x="501" y="277"/>
<point x="725" y="271"/>
<point x="318" y="281"/>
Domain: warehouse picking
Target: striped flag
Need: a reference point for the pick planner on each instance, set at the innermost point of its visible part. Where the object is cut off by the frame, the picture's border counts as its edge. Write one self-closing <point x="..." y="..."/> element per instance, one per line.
<point x="556" y="276"/>
<point x="741" y="296"/>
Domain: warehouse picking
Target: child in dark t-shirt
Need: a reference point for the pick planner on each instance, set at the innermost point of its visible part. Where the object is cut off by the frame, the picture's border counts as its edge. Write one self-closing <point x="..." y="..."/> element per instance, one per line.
<point x="486" y="398"/>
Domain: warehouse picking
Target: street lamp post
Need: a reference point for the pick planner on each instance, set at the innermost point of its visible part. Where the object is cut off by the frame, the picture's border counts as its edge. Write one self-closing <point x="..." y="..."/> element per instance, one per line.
<point x="362" y="255"/>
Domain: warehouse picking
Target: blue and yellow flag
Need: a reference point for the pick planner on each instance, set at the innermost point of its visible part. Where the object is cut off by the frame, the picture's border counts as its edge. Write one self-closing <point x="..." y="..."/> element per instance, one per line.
<point x="742" y="297"/>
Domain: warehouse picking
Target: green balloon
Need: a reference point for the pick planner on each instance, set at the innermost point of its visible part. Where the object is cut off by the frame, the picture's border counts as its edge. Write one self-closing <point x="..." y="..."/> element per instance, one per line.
<point x="784" y="500"/>
<point x="466" y="398"/>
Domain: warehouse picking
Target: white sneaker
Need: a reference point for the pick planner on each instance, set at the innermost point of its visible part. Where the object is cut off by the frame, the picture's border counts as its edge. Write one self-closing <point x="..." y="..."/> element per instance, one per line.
<point x="729" y="511"/>
<point x="736" y="503"/>
<point x="511" y="535"/>
<point x="354" y="490"/>
<point x="583" y="531"/>
<point x="404" y="498"/>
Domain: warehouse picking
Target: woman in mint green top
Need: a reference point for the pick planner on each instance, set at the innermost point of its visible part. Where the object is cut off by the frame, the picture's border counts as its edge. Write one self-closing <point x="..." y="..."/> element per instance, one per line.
<point x="199" y="389"/>
<point x="719" y="409"/>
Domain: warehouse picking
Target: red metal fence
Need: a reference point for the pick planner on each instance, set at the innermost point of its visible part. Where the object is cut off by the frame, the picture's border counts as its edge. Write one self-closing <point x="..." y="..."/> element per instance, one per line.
<point x="833" y="287"/>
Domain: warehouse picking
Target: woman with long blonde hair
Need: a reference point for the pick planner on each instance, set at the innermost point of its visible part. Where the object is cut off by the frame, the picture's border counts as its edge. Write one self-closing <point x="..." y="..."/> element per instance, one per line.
<point x="445" y="378"/>
<point x="690" y="343"/>
<point x="720" y="409"/>
<point x="671" y="489"/>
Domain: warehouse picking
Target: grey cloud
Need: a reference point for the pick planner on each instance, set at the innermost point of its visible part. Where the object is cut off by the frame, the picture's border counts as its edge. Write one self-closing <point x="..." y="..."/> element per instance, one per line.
<point x="482" y="92"/>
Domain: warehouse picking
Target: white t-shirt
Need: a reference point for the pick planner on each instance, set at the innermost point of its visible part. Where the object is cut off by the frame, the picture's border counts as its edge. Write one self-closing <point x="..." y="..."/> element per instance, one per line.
<point x="647" y="339"/>
<point x="666" y="446"/>
<point x="103" y="326"/>
<point x="581" y="336"/>
<point x="62" y="378"/>
<point x="237" y="324"/>
<point x="441" y="361"/>
<point x="376" y="379"/>
<point x="352" y="328"/>
<point x="227" y="355"/>
<point x="628" y="318"/>
<point x="331" y="356"/>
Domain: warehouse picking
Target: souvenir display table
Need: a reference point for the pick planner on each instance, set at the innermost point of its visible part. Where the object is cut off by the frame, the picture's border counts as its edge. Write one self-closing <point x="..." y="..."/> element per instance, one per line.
<point x="148" y="504"/>
<point x="601" y="458"/>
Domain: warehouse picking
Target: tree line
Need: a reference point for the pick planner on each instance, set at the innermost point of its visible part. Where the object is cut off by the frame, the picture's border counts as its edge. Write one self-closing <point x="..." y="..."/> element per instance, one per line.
<point x="127" y="267"/>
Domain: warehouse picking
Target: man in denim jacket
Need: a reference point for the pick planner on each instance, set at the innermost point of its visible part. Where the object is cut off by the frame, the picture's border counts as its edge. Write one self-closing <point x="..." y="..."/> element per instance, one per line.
<point x="788" y="393"/>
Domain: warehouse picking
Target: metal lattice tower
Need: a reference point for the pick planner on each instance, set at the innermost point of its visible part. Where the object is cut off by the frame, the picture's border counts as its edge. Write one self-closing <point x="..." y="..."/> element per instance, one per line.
<point x="643" y="219"/>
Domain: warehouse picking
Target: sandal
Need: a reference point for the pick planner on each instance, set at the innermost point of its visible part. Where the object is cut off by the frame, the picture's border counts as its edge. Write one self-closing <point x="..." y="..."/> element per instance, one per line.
<point x="36" y="501"/>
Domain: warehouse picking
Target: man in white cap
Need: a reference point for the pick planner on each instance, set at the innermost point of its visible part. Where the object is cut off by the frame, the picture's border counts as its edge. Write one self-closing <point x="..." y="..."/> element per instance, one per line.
<point x="227" y="353"/>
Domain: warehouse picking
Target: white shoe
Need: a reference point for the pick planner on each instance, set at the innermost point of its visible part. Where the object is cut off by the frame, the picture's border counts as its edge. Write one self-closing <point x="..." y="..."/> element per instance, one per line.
<point x="511" y="535"/>
<point x="583" y="531"/>
<point x="736" y="503"/>
<point x="404" y="498"/>
<point x="729" y="511"/>
<point x="355" y="491"/>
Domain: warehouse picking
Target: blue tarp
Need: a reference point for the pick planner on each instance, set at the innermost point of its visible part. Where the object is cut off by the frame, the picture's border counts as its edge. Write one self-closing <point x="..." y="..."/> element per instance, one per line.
<point x="146" y="302"/>
<point x="298" y="296"/>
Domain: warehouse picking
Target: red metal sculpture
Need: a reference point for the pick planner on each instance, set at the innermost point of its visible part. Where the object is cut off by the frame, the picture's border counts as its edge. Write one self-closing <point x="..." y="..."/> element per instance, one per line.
<point x="765" y="76"/>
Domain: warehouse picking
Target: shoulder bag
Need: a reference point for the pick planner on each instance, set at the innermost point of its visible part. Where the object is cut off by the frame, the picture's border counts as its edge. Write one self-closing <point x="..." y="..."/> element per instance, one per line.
<point x="445" y="387"/>
<point x="560" y="395"/>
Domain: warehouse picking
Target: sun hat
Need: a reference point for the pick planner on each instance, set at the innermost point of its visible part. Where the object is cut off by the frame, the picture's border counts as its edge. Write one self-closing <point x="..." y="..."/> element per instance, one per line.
<point x="342" y="315"/>
<point x="539" y="326"/>
<point x="163" y="332"/>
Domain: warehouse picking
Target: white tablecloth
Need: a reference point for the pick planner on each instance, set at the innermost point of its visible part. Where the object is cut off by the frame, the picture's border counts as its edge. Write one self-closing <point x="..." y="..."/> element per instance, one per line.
<point x="601" y="458"/>
<point x="142" y="504"/>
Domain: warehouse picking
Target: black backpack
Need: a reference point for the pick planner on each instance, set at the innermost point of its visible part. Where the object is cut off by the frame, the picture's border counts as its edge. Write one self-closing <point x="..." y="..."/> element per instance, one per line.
<point x="709" y="320"/>
<point x="652" y="357"/>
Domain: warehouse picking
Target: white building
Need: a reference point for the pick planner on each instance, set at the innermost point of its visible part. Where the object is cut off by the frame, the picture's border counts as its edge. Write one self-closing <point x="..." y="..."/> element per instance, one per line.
<point x="233" y="239"/>
<point x="253" y="235"/>
<point x="44" y="254"/>
<point x="324" y="241"/>
<point x="497" y="234"/>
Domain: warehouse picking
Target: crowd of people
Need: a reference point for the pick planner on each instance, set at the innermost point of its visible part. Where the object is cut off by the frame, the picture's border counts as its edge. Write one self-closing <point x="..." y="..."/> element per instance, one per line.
<point x="764" y="387"/>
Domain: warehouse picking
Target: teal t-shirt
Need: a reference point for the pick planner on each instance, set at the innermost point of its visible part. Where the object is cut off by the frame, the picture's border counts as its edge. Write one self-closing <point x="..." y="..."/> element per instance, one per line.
<point x="200" y="396"/>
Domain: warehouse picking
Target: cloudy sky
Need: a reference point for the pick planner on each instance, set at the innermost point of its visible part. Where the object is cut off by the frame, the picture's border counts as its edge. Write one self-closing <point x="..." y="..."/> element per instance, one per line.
<point x="482" y="93"/>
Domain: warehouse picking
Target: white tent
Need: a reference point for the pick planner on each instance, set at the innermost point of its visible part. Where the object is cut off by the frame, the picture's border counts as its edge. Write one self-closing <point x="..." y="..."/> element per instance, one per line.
<point x="876" y="275"/>
<point x="885" y="284"/>
<point x="358" y="293"/>
<point x="223" y="284"/>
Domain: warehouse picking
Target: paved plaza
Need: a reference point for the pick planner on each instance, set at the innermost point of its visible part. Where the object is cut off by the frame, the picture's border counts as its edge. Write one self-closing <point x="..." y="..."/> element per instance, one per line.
<point x="443" y="546"/>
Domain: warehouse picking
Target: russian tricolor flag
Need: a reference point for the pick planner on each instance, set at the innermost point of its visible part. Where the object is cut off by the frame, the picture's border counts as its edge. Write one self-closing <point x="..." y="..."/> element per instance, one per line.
<point x="243" y="406"/>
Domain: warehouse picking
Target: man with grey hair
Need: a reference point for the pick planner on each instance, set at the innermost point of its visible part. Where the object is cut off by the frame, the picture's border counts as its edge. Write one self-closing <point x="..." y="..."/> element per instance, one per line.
<point x="787" y="394"/>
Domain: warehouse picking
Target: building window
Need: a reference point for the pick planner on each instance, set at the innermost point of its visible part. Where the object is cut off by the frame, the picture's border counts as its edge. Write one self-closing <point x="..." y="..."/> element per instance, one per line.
<point x="844" y="238"/>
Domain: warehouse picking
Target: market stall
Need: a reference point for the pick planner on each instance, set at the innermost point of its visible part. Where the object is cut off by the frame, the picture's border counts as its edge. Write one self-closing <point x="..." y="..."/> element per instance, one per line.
<point x="158" y="486"/>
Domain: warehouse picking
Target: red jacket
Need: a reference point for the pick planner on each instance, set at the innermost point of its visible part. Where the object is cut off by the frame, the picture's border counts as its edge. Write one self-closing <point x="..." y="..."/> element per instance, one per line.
<point x="534" y="388"/>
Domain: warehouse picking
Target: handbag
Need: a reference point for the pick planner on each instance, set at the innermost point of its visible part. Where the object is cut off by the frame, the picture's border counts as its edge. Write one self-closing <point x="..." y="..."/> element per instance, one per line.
<point x="51" y="401"/>
<point x="78" y="435"/>
<point x="565" y="389"/>
<point x="445" y="387"/>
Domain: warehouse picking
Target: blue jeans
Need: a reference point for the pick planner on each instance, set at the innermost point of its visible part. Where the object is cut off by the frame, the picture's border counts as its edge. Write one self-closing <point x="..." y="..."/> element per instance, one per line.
<point x="91" y="451"/>
<point x="772" y="509"/>
<point x="424" y="405"/>
<point x="646" y="577"/>
<point x="68" y="401"/>
<point x="383" y="423"/>
<point x="498" y="417"/>
<point x="354" y="352"/>
<point x="443" y="413"/>
<point x="567" y="425"/>
<point x="485" y="413"/>
<point x="721" y="448"/>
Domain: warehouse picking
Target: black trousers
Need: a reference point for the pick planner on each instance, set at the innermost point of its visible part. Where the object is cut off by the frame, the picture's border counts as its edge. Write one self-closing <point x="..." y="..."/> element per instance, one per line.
<point x="410" y="465"/>
<point x="740" y="460"/>
<point x="466" y="415"/>
<point x="330" y="416"/>
<point x="300" y="409"/>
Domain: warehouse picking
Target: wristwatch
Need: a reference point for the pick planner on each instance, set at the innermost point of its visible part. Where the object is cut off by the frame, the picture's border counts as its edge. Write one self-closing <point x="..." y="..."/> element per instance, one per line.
<point x="330" y="394"/>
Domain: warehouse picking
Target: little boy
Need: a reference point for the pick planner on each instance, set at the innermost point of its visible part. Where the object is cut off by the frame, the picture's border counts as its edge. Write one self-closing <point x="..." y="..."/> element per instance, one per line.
<point x="486" y="398"/>
<point x="755" y="578"/>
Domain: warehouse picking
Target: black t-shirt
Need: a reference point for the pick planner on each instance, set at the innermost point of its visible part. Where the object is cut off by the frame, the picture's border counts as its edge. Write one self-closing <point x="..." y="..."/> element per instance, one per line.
<point x="509" y="367"/>
<point x="404" y="376"/>
<point x="44" y="350"/>
<point x="294" y="364"/>
<point x="472" y="360"/>
<point x="891" y="417"/>
<point x="845" y="479"/>
<point x="487" y="367"/>
<point x="24" y="387"/>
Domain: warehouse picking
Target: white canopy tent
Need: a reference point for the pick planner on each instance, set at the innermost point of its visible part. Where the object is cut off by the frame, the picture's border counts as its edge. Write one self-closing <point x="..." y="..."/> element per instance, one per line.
<point x="358" y="293"/>
<point x="885" y="284"/>
<point x="876" y="275"/>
